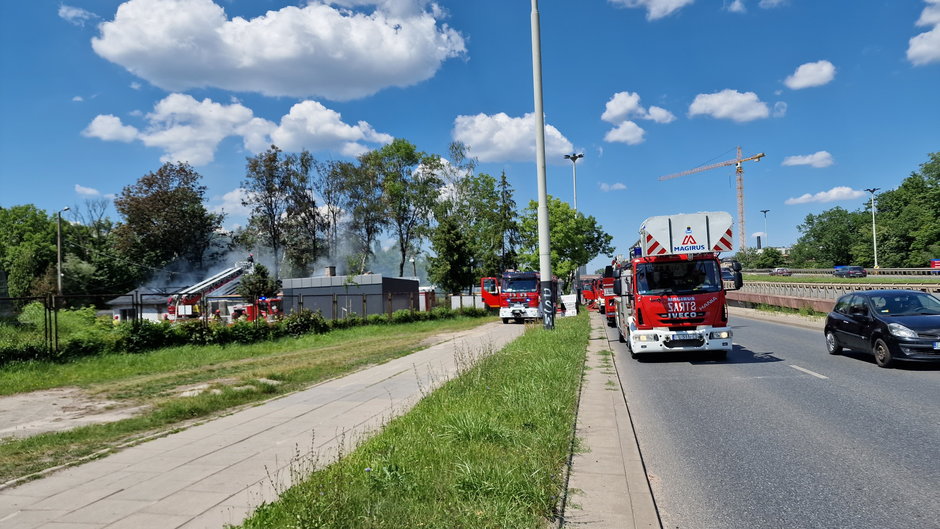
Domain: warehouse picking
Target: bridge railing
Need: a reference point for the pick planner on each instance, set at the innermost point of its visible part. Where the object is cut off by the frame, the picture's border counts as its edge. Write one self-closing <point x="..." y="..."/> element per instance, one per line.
<point x="828" y="290"/>
<point x="871" y="271"/>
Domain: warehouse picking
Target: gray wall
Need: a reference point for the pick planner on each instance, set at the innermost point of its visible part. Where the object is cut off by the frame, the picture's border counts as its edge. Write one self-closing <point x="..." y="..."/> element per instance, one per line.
<point x="337" y="297"/>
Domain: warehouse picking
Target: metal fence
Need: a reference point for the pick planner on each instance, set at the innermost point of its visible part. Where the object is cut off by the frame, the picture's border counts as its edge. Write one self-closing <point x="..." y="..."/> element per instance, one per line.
<point x="829" y="291"/>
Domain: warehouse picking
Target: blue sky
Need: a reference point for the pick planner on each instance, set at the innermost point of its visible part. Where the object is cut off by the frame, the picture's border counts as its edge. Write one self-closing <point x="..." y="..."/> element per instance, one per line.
<point x="841" y="95"/>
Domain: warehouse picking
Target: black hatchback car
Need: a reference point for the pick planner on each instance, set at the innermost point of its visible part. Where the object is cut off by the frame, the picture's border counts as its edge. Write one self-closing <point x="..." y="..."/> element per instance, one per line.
<point x="849" y="271"/>
<point x="891" y="324"/>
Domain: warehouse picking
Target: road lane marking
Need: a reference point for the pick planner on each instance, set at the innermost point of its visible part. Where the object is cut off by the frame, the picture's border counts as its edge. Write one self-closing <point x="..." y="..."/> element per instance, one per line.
<point x="808" y="372"/>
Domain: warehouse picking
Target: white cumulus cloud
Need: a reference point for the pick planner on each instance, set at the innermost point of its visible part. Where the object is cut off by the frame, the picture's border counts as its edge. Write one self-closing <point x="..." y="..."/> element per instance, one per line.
<point x="737" y="6"/>
<point x="925" y="48"/>
<point x="625" y="105"/>
<point x="109" y="128"/>
<point x="230" y="203"/>
<point x="616" y="186"/>
<point x="501" y="138"/>
<point x="627" y="132"/>
<point x="818" y="159"/>
<point x="654" y="8"/>
<point x="811" y="74"/>
<point x="314" y="50"/>
<point x="190" y="130"/>
<point x="730" y="104"/>
<point x="833" y="195"/>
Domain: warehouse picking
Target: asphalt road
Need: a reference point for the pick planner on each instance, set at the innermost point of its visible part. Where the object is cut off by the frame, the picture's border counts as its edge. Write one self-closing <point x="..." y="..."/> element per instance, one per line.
<point x="783" y="435"/>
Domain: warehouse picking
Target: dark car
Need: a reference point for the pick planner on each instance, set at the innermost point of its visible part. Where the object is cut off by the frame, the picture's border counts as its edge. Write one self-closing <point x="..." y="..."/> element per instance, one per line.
<point x="891" y="324"/>
<point x="849" y="271"/>
<point x="781" y="271"/>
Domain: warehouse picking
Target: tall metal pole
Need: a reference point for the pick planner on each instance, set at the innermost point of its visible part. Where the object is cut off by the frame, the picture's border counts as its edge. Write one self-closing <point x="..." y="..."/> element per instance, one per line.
<point x="58" y="246"/>
<point x="766" y="238"/>
<point x="574" y="186"/>
<point x="545" y="250"/>
<point x="874" y="237"/>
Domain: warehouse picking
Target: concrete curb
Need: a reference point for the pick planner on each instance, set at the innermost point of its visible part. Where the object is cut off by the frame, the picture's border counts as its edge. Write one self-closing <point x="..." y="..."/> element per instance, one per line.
<point x="608" y="486"/>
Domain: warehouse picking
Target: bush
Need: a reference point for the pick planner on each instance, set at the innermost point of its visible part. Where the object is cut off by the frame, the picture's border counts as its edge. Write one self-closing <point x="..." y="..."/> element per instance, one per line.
<point x="377" y="319"/>
<point x="472" y="312"/>
<point x="441" y="313"/>
<point x="246" y="332"/>
<point x="142" y="335"/>
<point x="82" y="344"/>
<point x="403" y="316"/>
<point x="304" y="322"/>
<point x="21" y="351"/>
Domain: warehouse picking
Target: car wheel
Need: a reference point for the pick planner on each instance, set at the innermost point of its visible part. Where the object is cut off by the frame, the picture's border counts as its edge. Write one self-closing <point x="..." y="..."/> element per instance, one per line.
<point x="832" y="345"/>
<point x="883" y="355"/>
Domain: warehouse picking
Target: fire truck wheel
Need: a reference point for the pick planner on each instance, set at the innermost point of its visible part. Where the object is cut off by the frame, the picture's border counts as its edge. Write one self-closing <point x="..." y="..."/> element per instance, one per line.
<point x="505" y="320"/>
<point x="720" y="356"/>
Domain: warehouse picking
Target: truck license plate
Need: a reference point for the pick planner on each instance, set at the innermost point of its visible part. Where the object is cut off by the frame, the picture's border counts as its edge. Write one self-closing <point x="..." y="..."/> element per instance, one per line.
<point x="685" y="337"/>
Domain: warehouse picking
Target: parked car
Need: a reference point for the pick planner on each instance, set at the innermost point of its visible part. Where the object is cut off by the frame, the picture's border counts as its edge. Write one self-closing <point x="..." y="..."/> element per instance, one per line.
<point x="891" y="324"/>
<point x="781" y="272"/>
<point x="849" y="271"/>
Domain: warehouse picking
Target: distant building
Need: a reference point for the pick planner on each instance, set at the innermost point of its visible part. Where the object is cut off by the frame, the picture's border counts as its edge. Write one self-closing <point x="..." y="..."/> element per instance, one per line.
<point x="338" y="297"/>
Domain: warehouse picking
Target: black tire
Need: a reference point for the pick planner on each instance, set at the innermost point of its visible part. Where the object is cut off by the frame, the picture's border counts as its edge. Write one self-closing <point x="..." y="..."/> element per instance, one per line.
<point x="720" y="355"/>
<point x="832" y="344"/>
<point x="505" y="320"/>
<point x="883" y="356"/>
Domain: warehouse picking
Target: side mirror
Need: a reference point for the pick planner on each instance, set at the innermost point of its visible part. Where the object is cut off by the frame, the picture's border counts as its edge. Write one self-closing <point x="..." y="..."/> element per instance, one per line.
<point x="738" y="279"/>
<point x="736" y="266"/>
<point x="618" y="288"/>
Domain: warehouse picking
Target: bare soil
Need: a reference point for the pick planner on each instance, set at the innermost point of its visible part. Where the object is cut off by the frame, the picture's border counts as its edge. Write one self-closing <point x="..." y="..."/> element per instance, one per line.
<point x="55" y="410"/>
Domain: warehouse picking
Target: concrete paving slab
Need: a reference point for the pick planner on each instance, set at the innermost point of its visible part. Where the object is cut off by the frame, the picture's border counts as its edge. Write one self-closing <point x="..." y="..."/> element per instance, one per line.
<point x="608" y="487"/>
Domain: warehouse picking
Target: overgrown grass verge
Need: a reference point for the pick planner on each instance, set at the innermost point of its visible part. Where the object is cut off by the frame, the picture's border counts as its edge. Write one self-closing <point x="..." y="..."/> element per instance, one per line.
<point x="486" y="450"/>
<point x="802" y="311"/>
<point x="151" y="378"/>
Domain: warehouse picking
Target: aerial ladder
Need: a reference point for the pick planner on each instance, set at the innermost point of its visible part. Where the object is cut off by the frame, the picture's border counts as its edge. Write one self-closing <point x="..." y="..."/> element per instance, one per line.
<point x="739" y="172"/>
<point x="183" y="302"/>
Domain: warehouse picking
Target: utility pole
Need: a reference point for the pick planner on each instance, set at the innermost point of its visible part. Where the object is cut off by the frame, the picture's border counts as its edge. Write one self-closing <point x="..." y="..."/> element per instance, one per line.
<point x="874" y="237"/>
<point x="574" y="186"/>
<point x="58" y="246"/>
<point x="545" y="249"/>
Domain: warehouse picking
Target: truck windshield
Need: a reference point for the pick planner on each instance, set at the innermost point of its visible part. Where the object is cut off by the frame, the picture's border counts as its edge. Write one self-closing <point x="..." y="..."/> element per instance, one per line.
<point x="678" y="277"/>
<point x="522" y="284"/>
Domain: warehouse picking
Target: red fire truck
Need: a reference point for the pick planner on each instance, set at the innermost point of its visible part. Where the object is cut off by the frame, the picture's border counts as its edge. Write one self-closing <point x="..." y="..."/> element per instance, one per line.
<point x="519" y="295"/>
<point x="670" y="295"/>
<point x="588" y="290"/>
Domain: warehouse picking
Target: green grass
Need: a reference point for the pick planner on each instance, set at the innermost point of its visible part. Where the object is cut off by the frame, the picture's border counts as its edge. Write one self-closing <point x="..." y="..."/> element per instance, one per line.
<point x="486" y="450"/>
<point x="802" y="311"/>
<point x="150" y="379"/>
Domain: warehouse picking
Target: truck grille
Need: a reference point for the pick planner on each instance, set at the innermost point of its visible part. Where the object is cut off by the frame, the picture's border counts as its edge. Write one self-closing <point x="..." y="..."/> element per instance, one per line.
<point x="685" y="343"/>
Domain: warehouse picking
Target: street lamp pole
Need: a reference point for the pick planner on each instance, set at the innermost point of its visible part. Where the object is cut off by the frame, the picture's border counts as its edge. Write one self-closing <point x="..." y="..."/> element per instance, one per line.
<point x="574" y="177"/>
<point x="545" y="248"/>
<point x="414" y="267"/>
<point x="58" y="246"/>
<point x="874" y="237"/>
<point x="766" y="238"/>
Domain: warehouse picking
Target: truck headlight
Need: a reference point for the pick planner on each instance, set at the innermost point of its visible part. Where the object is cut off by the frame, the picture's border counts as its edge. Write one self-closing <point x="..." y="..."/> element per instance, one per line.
<point x="647" y="338"/>
<point x="901" y="331"/>
<point x="719" y="335"/>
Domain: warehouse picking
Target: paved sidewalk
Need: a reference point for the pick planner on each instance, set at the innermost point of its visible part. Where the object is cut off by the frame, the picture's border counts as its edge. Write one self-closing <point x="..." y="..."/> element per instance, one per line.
<point x="608" y="487"/>
<point x="219" y="472"/>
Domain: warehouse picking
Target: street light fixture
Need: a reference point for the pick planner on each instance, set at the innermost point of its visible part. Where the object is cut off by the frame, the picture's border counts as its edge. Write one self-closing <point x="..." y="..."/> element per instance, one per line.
<point x="58" y="246"/>
<point x="414" y="267"/>
<point x="874" y="238"/>
<point x="574" y="177"/>
<point x="766" y="238"/>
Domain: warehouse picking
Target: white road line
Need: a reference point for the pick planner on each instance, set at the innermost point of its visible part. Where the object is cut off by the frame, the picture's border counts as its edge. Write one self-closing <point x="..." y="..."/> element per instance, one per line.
<point x="808" y="372"/>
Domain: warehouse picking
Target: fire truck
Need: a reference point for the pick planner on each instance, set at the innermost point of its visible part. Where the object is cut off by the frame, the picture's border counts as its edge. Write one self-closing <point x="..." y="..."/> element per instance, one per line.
<point x="186" y="303"/>
<point x="518" y="294"/>
<point x="606" y="298"/>
<point x="670" y="294"/>
<point x="588" y="290"/>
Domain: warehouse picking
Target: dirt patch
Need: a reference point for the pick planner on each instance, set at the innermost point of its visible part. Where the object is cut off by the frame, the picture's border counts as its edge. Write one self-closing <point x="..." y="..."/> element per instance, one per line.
<point x="56" y="410"/>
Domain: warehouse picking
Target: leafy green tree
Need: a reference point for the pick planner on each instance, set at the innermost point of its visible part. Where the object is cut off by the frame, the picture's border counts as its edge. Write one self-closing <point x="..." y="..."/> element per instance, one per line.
<point x="575" y="238"/>
<point x="27" y="247"/>
<point x="410" y="187"/>
<point x="452" y="266"/>
<point x="361" y="188"/>
<point x="165" y="219"/>
<point x="908" y="219"/>
<point x="284" y="216"/>
<point x="258" y="284"/>
<point x="825" y="239"/>
<point x="768" y="258"/>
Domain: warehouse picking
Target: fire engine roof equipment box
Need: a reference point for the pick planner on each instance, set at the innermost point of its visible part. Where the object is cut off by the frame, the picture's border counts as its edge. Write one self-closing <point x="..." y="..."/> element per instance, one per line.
<point x="686" y="233"/>
<point x="361" y="295"/>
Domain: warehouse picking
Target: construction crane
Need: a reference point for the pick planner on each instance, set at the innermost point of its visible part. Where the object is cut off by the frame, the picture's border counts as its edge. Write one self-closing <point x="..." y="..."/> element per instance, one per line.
<point x="739" y="171"/>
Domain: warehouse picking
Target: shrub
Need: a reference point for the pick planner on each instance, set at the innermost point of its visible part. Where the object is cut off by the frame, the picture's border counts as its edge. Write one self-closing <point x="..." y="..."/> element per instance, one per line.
<point x="441" y="313"/>
<point x="304" y="322"/>
<point x="82" y="344"/>
<point x="246" y="332"/>
<point x="472" y="312"/>
<point x="377" y="319"/>
<point x="21" y="351"/>
<point x="403" y="316"/>
<point x="142" y="335"/>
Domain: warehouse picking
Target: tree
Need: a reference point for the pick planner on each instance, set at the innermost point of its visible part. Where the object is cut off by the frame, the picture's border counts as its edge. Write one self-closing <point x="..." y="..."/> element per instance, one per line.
<point x="824" y="239"/>
<point x="575" y="239"/>
<point x="908" y="219"/>
<point x="258" y="284"/>
<point x="452" y="267"/>
<point x="410" y="187"/>
<point x="361" y="186"/>
<point x="283" y="210"/>
<point x="165" y="219"/>
<point x="27" y="247"/>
